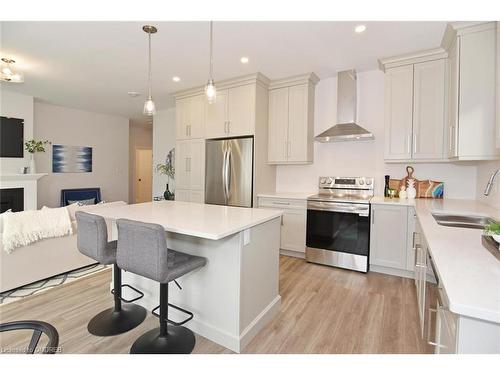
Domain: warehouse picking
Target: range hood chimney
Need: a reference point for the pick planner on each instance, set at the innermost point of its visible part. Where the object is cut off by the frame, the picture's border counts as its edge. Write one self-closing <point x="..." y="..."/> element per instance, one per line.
<point x="346" y="128"/>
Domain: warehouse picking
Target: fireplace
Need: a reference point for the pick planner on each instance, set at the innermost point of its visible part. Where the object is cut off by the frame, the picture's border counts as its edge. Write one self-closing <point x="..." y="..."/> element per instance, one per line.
<point x="12" y="199"/>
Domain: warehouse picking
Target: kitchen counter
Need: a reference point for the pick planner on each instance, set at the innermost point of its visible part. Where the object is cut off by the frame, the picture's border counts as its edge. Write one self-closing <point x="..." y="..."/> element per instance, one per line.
<point x="193" y="219"/>
<point x="286" y="195"/>
<point x="470" y="274"/>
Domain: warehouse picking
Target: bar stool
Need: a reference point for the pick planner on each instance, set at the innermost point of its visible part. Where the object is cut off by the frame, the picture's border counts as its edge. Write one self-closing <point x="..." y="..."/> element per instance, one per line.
<point x="142" y="249"/>
<point x="92" y="241"/>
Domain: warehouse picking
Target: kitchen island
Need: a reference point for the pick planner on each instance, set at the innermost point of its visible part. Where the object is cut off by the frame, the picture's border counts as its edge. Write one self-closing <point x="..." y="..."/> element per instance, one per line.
<point x="236" y="293"/>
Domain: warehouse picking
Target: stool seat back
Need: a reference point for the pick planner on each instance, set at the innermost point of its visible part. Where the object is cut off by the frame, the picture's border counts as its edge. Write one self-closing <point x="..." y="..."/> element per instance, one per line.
<point x="92" y="238"/>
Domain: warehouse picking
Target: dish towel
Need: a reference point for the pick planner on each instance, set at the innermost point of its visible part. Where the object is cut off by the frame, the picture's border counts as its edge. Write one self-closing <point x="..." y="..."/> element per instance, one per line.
<point x="25" y="227"/>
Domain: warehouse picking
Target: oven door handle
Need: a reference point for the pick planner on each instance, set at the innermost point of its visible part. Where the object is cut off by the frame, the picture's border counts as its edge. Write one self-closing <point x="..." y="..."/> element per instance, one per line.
<point x="360" y="209"/>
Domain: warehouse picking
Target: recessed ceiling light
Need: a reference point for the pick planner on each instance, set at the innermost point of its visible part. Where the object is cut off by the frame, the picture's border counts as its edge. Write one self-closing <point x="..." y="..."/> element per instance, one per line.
<point x="360" y="28"/>
<point x="133" y="94"/>
<point x="244" y="60"/>
<point x="176" y="79"/>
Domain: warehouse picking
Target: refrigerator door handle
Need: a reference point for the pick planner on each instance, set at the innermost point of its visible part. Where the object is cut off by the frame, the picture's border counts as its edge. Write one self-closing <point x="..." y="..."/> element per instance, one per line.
<point x="228" y="174"/>
<point x="224" y="173"/>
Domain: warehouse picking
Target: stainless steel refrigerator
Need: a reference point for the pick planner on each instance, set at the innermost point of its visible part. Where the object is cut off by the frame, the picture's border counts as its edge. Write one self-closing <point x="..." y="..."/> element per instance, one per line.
<point x="229" y="172"/>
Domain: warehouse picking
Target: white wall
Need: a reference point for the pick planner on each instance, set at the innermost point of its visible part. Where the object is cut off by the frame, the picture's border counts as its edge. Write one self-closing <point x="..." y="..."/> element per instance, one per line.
<point x="163" y="142"/>
<point x="484" y="171"/>
<point x="107" y="135"/>
<point x="17" y="106"/>
<point x="365" y="158"/>
<point x="140" y="137"/>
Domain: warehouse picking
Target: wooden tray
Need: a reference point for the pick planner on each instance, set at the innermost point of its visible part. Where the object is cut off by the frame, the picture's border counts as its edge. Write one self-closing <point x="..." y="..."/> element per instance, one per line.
<point x="491" y="245"/>
<point x="425" y="188"/>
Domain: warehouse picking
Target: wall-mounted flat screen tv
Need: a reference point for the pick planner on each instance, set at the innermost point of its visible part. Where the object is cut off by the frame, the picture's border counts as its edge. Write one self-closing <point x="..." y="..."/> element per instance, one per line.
<point x="11" y="137"/>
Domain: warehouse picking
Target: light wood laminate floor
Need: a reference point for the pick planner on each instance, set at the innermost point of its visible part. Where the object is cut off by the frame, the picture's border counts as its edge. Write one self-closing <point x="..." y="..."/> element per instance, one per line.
<point x="323" y="310"/>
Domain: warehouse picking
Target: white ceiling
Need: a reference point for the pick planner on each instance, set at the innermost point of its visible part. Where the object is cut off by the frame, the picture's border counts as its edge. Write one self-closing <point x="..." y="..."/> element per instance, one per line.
<point x="92" y="65"/>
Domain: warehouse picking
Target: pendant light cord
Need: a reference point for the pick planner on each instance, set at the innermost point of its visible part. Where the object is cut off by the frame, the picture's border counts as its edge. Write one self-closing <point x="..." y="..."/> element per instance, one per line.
<point x="211" y="50"/>
<point x="149" y="67"/>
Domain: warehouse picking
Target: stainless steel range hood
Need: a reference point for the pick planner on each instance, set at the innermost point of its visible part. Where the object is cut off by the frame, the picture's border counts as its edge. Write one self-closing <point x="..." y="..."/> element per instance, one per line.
<point x="346" y="128"/>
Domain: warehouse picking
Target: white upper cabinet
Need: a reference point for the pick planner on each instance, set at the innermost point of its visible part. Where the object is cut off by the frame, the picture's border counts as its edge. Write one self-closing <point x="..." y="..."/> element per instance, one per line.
<point x="241" y="110"/>
<point x="398" y="112"/>
<point x="476" y="95"/>
<point x="232" y="114"/>
<point x="216" y="116"/>
<point x="278" y="125"/>
<point x="190" y="117"/>
<point x="291" y="120"/>
<point x="453" y="83"/>
<point x="440" y="103"/>
<point x="428" y="109"/>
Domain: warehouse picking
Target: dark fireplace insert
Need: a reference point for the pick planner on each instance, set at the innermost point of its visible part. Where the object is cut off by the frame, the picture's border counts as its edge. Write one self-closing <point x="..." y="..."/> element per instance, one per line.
<point x="12" y="199"/>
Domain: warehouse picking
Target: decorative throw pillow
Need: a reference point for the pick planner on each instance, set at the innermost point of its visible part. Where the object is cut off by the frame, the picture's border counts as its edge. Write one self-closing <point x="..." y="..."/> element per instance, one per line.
<point x="84" y="202"/>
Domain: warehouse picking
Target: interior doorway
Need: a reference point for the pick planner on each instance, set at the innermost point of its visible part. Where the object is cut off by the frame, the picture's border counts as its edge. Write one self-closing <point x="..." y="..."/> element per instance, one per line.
<point x="143" y="175"/>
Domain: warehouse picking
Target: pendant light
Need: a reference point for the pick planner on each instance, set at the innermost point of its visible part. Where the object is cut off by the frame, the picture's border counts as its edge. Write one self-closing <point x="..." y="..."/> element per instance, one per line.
<point x="149" y="105"/>
<point x="210" y="89"/>
<point x="8" y="74"/>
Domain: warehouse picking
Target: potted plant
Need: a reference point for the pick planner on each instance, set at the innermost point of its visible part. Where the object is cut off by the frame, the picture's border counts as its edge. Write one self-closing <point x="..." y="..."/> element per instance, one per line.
<point x="169" y="170"/>
<point x="32" y="146"/>
<point x="493" y="230"/>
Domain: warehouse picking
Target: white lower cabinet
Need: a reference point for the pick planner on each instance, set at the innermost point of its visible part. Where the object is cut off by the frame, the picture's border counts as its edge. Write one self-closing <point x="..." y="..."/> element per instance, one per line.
<point x="190" y="164"/>
<point x="196" y="196"/>
<point x="293" y="222"/>
<point x="388" y="236"/>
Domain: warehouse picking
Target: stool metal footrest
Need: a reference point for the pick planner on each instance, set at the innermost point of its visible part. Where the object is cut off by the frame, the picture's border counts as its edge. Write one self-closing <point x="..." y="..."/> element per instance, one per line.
<point x="141" y="294"/>
<point x="189" y="313"/>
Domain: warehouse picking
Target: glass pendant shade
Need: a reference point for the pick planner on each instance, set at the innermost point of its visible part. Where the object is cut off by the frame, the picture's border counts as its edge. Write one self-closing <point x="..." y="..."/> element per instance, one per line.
<point x="211" y="91"/>
<point x="8" y="74"/>
<point x="149" y="107"/>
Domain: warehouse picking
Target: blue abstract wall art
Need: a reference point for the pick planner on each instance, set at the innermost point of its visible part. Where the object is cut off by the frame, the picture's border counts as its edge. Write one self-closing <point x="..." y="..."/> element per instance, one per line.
<point x="71" y="159"/>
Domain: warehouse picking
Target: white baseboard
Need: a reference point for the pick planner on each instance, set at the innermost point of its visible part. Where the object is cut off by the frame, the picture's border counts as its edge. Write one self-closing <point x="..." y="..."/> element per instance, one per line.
<point x="392" y="271"/>
<point x="231" y="341"/>
<point x="291" y="253"/>
<point x="259" y="322"/>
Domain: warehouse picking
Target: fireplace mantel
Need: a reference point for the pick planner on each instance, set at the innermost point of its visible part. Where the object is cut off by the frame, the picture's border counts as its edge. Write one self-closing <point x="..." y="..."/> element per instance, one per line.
<point x="26" y="181"/>
<point x="21" y="177"/>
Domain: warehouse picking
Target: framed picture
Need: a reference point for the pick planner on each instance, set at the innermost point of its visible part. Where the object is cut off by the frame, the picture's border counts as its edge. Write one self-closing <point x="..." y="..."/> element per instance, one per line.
<point x="71" y="159"/>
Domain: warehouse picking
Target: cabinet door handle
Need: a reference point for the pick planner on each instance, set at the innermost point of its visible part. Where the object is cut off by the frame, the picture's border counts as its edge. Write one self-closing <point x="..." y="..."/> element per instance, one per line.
<point x="189" y="164"/>
<point x="187" y="131"/>
<point x="289" y="149"/>
<point x="282" y="203"/>
<point x="450" y="135"/>
<point x="284" y="150"/>
<point x="229" y="127"/>
<point x="433" y="343"/>
<point x="225" y="127"/>
<point x="415" y="143"/>
<point x="408" y="144"/>
<point x="189" y="126"/>
<point x="187" y="170"/>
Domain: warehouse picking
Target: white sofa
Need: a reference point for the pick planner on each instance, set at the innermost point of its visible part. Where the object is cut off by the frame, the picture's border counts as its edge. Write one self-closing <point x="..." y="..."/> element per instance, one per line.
<point x="42" y="259"/>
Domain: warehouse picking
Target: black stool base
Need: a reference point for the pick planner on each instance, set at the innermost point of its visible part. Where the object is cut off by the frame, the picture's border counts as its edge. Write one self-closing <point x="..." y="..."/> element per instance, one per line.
<point x="180" y="340"/>
<point x="110" y="322"/>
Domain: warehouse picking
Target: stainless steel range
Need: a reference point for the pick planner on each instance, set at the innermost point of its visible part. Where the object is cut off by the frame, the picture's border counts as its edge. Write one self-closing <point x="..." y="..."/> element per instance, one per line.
<point x="338" y="223"/>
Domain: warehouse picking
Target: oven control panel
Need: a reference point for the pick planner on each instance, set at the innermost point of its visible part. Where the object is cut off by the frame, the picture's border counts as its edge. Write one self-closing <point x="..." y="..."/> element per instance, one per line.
<point x="346" y="182"/>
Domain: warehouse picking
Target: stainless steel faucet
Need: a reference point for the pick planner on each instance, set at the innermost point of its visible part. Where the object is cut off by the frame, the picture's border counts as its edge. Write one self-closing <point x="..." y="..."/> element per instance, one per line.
<point x="491" y="181"/>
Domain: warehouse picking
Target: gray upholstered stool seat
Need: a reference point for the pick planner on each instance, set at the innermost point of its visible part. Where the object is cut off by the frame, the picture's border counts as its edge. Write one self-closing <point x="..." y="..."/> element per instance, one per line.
<point x="142" y="249"/>
<point x="92" y="241"/>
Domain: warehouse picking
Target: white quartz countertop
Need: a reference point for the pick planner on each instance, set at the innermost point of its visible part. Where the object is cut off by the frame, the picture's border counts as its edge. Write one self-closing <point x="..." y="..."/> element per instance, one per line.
<point x="192" y="219"/>
<point x="286" y="195"/>
<point x="469" y="273"/>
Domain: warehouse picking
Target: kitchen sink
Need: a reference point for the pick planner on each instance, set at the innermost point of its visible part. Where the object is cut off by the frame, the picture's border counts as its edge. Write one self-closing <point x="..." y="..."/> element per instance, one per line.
<point x="462" y="221"/>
